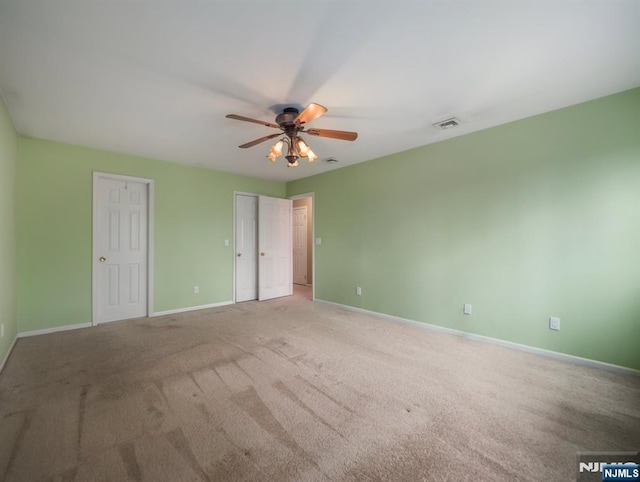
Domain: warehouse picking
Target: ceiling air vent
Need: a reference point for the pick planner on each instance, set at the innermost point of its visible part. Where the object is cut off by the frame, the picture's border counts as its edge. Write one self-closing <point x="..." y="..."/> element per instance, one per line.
<point x="449" y="123"/>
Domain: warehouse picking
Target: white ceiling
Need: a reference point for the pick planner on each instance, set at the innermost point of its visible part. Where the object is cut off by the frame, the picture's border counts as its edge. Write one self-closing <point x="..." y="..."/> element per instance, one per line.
<point x="156" y="79"/>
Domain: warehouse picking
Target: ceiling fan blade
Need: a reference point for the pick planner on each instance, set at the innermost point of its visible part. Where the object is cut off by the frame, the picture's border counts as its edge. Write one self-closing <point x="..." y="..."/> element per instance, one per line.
<point x="343" y="135"/>
<point x="312" y="111"/>
<point x="258" y="141"/>
<point x="249" y="119"/>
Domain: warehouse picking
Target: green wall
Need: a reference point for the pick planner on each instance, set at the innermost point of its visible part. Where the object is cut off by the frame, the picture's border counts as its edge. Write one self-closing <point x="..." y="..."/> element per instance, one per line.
<point x="193" y="217"/>
<point x="8" y="162"/>
<point x="536" y="218"/>
<point x="532" y="219"/>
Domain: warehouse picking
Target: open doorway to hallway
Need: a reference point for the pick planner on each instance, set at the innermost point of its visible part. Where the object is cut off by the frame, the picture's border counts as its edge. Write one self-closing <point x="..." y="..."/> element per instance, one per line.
<point x="302" y="292"/>
<point x="302" y="236"/>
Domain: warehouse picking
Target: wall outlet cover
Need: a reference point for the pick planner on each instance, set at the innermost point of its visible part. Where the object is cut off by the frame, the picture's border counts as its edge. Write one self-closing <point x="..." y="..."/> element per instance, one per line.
<point x="466" y="309"/>
<point x="554" y="323"/>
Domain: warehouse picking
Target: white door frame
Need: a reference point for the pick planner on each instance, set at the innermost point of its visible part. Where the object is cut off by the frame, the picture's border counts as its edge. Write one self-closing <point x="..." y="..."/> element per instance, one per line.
<point x="313" y="238"/>
<point x="150" y="230"/>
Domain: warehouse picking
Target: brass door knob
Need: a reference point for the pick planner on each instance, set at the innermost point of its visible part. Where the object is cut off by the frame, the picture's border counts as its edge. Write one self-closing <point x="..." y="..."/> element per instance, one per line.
<point x="239" y="254"/>
<point x="102" y="259"/>
<point x="261" y="254"/>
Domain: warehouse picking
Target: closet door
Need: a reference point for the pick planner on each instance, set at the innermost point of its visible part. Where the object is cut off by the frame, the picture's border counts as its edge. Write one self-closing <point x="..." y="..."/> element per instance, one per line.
<point x="120" y="246"/>
<point x="246" y="248"/>
<point x="275" y="260"/>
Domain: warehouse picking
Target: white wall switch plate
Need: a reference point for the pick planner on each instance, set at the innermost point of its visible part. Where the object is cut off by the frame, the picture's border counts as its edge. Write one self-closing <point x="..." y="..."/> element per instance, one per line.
<point x="554" y="323"/>
<point x="196" y="290"/>
<point x="226" y="242"/>
<point x="467" y="309"/>
<point x="358" y="291"/>
<point x="318" y="241"/>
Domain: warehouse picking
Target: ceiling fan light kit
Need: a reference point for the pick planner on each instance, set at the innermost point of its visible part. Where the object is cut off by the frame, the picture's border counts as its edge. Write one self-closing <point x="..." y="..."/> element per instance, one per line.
<point x="292" y="122"/>
<point x="276" y="149"/>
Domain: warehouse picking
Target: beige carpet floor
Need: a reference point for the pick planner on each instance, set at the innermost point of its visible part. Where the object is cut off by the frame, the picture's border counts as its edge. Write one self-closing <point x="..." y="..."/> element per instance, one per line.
<point x="294" y="390"/>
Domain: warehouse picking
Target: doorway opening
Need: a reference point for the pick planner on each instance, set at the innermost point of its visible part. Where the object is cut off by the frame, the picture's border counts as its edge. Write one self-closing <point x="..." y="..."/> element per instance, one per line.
<point x="303" y="244"/>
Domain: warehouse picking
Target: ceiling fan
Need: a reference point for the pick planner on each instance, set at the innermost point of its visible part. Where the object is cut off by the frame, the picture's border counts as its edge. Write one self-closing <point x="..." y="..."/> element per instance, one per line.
<point x="292" y="123"/>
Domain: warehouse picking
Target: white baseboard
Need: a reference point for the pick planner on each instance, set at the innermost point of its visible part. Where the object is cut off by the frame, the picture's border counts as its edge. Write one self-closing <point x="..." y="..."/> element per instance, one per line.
<point x="6" y="357"/>
<point x="495" y="341"/>
<point x="77" y="326"/>
<point x="192" y="308"/>
<point x="46" y="331"/>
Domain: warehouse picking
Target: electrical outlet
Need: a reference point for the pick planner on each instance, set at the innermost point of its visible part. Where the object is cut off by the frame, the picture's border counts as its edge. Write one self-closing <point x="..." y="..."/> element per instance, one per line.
<point x="358" y="291"/>
<point x="226" y="243"/>
<point x="554" y="323"/>
<point x="196" y="290"/>
<point x="466" y="309"/>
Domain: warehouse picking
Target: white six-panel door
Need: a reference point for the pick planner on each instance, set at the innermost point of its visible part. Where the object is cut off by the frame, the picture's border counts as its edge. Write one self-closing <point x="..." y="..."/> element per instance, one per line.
<point x="120" y="249"/>
<point x="300" y="245"/>
<point x="275" y="270"/>
<point x="246" y="247"/>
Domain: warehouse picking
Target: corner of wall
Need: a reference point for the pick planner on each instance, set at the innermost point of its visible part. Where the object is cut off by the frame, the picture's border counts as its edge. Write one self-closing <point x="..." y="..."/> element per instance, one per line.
<point x="8" y="231"/>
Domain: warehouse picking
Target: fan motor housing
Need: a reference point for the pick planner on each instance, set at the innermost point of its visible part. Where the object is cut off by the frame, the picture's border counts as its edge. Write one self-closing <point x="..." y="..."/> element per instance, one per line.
<point x="287" y="117"/>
